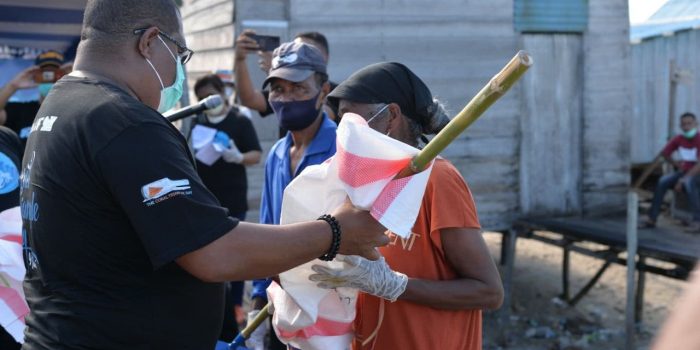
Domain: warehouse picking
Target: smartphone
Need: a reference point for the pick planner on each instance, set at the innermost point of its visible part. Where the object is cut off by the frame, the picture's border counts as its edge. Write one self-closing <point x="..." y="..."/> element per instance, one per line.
<point x="266" y="42"/>
<point x="48" y="75"/>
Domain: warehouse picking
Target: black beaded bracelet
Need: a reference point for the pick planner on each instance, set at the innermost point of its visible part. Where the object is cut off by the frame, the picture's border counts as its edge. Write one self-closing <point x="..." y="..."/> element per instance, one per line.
<point x="335" y="244"/>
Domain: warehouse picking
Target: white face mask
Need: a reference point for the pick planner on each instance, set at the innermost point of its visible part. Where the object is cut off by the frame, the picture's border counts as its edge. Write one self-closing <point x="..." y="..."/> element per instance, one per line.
<point x="216" y="111"/>
<point x="216" y="119"/>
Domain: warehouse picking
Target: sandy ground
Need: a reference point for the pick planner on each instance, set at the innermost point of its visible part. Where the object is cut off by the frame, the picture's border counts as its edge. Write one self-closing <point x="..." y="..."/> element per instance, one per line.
<point x="596" y="322"/>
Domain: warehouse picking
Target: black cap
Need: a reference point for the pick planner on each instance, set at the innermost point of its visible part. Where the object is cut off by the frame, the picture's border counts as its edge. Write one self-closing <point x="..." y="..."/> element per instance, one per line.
<point x="49" y="58"/>
<point x="295" y="61"/>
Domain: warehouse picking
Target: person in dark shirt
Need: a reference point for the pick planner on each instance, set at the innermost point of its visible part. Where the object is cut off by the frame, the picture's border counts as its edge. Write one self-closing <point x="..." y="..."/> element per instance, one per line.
<point x="226" y="177"/>
<point x="124" y="246"/>
<point x="19" y="116"/>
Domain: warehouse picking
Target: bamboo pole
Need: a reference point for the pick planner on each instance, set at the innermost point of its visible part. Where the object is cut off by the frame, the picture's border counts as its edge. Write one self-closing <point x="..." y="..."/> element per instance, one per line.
<point x="252" y="326"/>
<point x="496" y="87"/>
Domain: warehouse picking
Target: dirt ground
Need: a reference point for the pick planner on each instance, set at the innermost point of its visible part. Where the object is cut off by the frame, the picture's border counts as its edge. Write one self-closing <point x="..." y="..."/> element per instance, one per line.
<point x="540" y="321"/>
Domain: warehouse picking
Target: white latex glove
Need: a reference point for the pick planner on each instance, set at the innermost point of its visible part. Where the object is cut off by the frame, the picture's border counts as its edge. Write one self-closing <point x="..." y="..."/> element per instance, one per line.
<point x="257" y="338"/>
<point x="371" y="277"/>
<point x="232" y="154"/>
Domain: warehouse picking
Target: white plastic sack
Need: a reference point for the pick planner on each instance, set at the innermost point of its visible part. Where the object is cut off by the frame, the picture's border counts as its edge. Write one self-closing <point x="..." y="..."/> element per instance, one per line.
<point x="13" y="307"/>
<point x="363" y="168"/>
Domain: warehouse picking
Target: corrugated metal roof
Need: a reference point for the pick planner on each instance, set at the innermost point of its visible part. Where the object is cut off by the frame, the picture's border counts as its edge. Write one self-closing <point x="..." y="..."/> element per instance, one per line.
<point x="674" y="16"/>
<point x="568" y="16"/>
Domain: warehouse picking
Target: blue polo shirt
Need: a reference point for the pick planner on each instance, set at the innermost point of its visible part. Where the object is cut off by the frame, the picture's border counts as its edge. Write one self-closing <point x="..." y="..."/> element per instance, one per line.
<point x="277" y="168"/>
<point x="278" y="176"/>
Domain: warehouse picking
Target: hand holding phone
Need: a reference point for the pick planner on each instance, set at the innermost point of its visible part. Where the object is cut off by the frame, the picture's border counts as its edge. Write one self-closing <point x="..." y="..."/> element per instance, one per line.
<point x="48" y="74"/>
<point x="266" y="42"/>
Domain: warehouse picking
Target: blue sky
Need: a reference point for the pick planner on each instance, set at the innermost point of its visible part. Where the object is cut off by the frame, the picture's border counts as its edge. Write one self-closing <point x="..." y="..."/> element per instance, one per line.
<point x="640" y="10"/>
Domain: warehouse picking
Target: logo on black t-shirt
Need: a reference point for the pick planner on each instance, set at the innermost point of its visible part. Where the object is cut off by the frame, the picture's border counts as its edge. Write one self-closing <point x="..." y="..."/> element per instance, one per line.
<point x="44" y="123"/>
<point x="164" y="189"/>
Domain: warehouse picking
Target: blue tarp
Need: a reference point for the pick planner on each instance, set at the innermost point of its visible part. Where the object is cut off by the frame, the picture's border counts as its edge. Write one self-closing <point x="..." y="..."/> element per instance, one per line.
<point x="28" y="27"/>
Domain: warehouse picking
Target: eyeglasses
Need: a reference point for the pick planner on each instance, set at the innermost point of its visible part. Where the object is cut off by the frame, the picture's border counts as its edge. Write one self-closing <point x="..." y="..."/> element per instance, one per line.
<point x="377" y="113"/>
<point x="183" y="52"/>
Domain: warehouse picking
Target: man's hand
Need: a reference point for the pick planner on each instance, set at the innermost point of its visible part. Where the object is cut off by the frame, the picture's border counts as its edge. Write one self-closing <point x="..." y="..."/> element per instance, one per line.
<point x="25" y="79"/>
<point x="245" y="45"/>
<point x="372" y="277"/>
<point x="361" y="233"/>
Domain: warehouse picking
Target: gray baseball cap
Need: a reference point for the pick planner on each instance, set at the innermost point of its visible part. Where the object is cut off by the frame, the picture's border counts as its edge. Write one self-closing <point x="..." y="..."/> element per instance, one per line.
<point x="295" y="61"/>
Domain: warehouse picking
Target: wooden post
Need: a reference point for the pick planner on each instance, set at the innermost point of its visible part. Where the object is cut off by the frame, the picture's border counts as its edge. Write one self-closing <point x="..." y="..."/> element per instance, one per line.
<point x="641" y="283"/>
<point x="565" y="273"/>
<point x="632" y="210"/>
<point x="672" y="98"/>
<point x="508" y="246"/>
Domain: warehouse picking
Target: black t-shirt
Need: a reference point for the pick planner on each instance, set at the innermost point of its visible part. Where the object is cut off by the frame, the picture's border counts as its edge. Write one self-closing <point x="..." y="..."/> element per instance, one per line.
<point x="20" y="116"/>
<point x="110" y="197"/>
<point x="228" y="181"/>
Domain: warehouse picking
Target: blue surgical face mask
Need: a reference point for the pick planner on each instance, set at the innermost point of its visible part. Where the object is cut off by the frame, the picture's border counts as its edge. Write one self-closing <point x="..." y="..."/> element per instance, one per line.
<point x="171" y="94"/>
<point x="296" y="115"/>
<point x="690" y="133"/>
<point x="44" y="89"/>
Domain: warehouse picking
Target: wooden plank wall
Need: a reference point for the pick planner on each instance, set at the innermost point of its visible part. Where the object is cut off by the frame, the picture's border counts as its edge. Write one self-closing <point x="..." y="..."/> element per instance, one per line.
<point x="455" y="47"/>
<point x="607" y="107"/>
<point x="650" y="64"/>
<point x="211" y="29"/>
<point x="551" y="124"/>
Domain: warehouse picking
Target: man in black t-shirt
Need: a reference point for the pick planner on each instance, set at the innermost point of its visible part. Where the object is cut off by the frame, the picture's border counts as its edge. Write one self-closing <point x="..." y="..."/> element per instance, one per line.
<point x="124" y="247"/>
<point x="19" y="116"/>
<point x="226" y="178"/>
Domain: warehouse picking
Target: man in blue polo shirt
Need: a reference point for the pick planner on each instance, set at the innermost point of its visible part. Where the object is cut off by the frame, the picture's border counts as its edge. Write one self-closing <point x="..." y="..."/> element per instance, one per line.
<point x="298" y="88"/>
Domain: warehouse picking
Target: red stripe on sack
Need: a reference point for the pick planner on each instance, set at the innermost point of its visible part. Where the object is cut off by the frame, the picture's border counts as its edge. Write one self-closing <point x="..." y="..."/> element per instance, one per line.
<point x="358" y="171"/>
<point x="11" y="237"/>
<point x="322" y="327"/>
<point x="14" y="301"/>
<point x="388" y="195"/>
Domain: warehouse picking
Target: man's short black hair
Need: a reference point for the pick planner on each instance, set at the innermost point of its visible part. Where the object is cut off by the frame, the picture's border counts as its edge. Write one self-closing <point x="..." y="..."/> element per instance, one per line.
<point x="212" y="80"/>
<point x="317" y="38"/>
<point x="688" y="115"/>
<point x="110" y="22"/>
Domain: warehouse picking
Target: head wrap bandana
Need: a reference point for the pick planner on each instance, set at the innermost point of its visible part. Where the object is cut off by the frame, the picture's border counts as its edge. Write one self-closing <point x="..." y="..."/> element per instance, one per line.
<point x="388" y="82"/>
